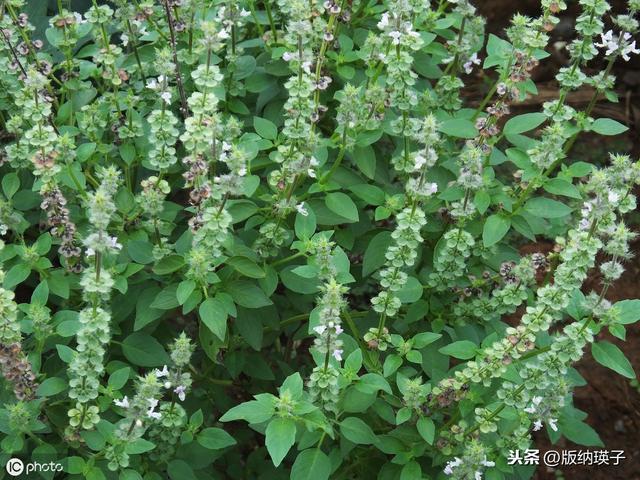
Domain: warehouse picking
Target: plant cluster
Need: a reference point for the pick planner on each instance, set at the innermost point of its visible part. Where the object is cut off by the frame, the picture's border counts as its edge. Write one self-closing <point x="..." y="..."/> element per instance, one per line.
<point x="277" y="239"/>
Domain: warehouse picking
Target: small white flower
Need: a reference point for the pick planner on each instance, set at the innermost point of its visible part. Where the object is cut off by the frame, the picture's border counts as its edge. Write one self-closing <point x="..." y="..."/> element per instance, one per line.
<point x="553" y="424"/>
<point x="487" y="463"/>
<point x="608" y="42"/>
<point x="138" y="423"/>
<point x="395" y="35"/>
<point x="301" y="210"/>
<point x="113" y="243"/>
<point x="478" y="475"/>
<point x="530" y="409"/>
<point x="432" y="188"/>
<point x="90" y="252"/>
<point x="166" y="96"/>
<point x="167" y="384"/>
<point x="244" y="13"/>
<point x="384" y="21"/>
<point x="287" y="56"/>
<point x="631" y="48"/>
<point x="152" y="84"/>
<point x="124" y="403"/>
<point x="152" y="414"/>
<point x="614" y="197"/>
<point x="339" y="330"/>
<point x="162" y="373"/>
<point x="3" y="229"/>
<point x="537" y="425"/>
<point x="337" y="354"/>
<point x="468" y="65"/>
<point x="180" y="390"/>
<point x="320" y="329"/>
<point x="125" y="39"/>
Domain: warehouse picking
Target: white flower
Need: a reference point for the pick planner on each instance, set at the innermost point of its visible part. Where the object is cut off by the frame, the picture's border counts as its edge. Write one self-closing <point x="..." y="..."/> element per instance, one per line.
<point x="113" y="243"/>
<point x="152" y="84"/>
<point x="608" y="42"/>
<point x="124" y="403"/>
<point x="553" y="424"/>
<point x="487" y="463"/>
<point x="180" y="390"/>
<point x="320" y="329"/>
<point x="153" y="403"/>
<point x="125" y="39"/>
<point x="395" y="35"/>
<point x="167" y="384"/>
<point x="478" y="475"/>
<point x="166" y="96"/>
<point x="244" y="13"/>
<point x="339" y="330"/>
<point x="384" y="21"/>
<point x="614" y="197"/>
<point x="337" y="354"/>
<point x="537" y="425"/>
<point x="456" y="462"/>
<point x="530" y="409"/>
<point x="3" y="229"/>
<point x="468" y="65"/>
<point x="432" y="188"/>
<point x="301" y="210"/>
<point x="631" y="48"/>
<point x="287" y="56"/>
<point x="162" y="373"/>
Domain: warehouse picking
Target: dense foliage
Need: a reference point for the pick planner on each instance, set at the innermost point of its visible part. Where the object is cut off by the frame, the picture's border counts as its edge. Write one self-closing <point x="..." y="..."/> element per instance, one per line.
<point x="272" y="239"/>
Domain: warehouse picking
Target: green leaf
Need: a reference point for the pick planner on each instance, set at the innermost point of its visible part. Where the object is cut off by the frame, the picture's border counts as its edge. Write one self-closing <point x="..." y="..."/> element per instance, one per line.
<point x="547" y="208"/>
<point x="365" y="158"/>
<point x="139" y="446"/>
<point x="253" y="411"/>
<point x="51" y="386"/>
<point x="16" y="275"/>
<point x="145" y="351"/>
<point x="341" y="204"/>
<point x="607" y="126"/>
<point x="374" y="256"/>
<point x="180" y="470"/>
<point x="411" y="471"/>
<point x="356" y="431"/>
<point x="369" y="193"/>
<point x="280" y="437"/>
<point x="215" y="439"/>
<point x="140" y="251"/>
<point x="426" y="429"/>
<point x="10" y="184"/>
<point x="463" y="349"/>
<point x="247" y="294"/>
<point x="495" y="228"/>
<point x="184" y="290"/>
<point x="459" y="128"/>
<point x="609" y="355"/>
<point x="246" y="267"/>
<point x="560" y="186"/>
<point x="391" y="364"/>
<point x="311" y="464"/>
<point x="265" y="128"/>
<point x="214" y="315"/>
<point x="629" y="311"/>
<point x="524" y="123"/>
<point x="482" y="200"/>
<point x="305" y="225"/>
<point x="118" y="379"/>
<point x="168" y="265"/>
<point x="579" y="432"/>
